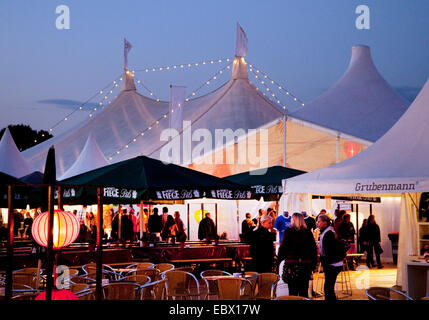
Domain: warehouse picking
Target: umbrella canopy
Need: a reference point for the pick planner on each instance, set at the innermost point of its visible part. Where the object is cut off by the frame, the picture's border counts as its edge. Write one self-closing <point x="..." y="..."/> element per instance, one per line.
<point x="143" y="178"/>
<point x="266" y="182"/>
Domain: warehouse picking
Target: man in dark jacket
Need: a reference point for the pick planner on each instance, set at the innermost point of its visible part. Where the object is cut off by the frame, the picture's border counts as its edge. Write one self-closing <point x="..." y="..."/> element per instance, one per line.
<point x="330" y="256"/>
<point x="154" y="225"/>
<point x="207" y="229"/>
<point x="261" y="245"/>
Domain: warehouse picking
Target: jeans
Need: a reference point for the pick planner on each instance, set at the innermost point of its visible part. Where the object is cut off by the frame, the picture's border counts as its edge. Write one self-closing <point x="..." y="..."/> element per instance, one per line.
<point x="331" y="274"/>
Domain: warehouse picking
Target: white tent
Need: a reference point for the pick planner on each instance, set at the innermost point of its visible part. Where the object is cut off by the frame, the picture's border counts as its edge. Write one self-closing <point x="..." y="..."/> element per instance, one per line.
<point x="394" y="165"/>
<point x="361" y="103"/>
<point x="11" y="160"/>
<point x="90" y="158"/>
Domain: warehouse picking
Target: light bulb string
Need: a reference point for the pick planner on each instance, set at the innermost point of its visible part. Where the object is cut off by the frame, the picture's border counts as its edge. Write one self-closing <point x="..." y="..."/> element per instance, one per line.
<point x="164" y="116"/>
<point x="181" y="66"/>
<point x="280" y="87"/>
<point x="207" y="82"/>
<point x="80" y="107"/>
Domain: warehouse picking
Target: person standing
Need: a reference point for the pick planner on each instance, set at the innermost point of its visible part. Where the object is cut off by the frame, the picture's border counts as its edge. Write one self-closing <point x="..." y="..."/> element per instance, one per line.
<point x="282" y="223"/>
<point x="180" y="235"/>
<point x="28" y="222"/>
<point x="164" y="216"/>
<point x="363" y="238"/>
<point x="374" y="245"/>
<point x="207" y="229"/>
<point x="81" y="214"/>
<point x="299" y="251"/>
<point x="155" y="225"/>
<point x="309" y="221"/>
<point x="246" y="227"/>
<point x="262" y="245"/>
<point x="260" y="214"/>
<point x="330" y="256"/>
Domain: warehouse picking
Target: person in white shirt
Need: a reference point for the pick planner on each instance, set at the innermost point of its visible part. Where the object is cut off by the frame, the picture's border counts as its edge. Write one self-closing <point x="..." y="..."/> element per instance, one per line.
<point x="81" y="215"/>
<point x="330" y="256"/>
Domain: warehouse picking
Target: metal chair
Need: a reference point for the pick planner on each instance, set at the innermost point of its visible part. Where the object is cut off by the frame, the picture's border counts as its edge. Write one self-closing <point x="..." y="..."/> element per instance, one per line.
<point x="179" y="285"/>
<point x="153" y="274"/>
<point x="249" y="288"/>
<point x="140" y="279"/>
<point x="121" y="291"/>
<point x="163" y="267"/>
<point x="153" y="290"/>
<point x="382" y="293"/>
<point x="267" y="285"/>
<point x="211" y="285"/>
<point x="141" y="265"/>
<point x="291" y="298"/>
<point x="232" y="288"/>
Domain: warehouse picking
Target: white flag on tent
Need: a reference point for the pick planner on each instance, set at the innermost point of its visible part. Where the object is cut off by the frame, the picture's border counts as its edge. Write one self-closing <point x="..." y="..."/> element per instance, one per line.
<point x="241" y="42"/>
<point x="177" y="101"/>
<point x="127" y="48"/>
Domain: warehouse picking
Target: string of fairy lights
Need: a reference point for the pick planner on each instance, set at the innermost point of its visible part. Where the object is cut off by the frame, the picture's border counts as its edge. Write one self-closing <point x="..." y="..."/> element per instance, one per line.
<point x="265" y="80"/>
<point x="166" y="115"/>
<point x="183" y="65"/>
<point x="107" y="90"/>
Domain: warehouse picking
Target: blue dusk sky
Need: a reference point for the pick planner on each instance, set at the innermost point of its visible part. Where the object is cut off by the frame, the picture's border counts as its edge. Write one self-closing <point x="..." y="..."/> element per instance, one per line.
<point x="304" y="45"/>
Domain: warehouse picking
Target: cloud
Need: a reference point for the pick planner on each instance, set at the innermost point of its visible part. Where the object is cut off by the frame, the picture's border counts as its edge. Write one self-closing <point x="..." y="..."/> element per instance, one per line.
<point x="68" y="104"/>
<point x="409" y="93"/>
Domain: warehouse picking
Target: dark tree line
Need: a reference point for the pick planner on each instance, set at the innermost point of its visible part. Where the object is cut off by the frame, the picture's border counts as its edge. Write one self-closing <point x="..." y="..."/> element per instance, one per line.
<point x="25" y="137"/>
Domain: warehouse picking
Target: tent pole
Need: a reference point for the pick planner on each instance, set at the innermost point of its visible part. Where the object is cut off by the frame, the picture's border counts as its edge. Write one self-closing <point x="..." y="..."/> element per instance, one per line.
<point x="99" y="244"/>
<point x="10" y="226"/>
<point x="60" y="198"/>
<point x="188" y="222"/>
<point x="216" y="214"/>
<point x="141" y="219"/>
<point x="238" y="218"/>
<point x="337" y="146"/>
<point x="50" y="250"/>
<point x="357" y="228"/>
<point x="284" y="140"/>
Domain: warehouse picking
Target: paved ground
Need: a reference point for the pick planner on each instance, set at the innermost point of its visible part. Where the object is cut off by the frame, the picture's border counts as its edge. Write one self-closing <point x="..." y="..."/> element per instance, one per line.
<point x="359" y="281"/>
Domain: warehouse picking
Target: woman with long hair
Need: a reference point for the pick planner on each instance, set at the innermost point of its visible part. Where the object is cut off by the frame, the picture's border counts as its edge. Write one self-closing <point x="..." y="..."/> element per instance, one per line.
<point x="299" y="251"/>
<point x="374" y="245"/>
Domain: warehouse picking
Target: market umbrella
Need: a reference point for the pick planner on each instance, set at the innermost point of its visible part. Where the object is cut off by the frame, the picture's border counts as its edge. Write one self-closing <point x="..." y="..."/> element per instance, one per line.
<point x="266" y="182"/>
<point x="144" y="178"/>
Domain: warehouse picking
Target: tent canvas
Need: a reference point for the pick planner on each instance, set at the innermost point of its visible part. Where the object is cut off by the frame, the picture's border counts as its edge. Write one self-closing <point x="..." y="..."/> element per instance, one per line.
<point x="396" y="164"/>
<point x="12" y="161"/>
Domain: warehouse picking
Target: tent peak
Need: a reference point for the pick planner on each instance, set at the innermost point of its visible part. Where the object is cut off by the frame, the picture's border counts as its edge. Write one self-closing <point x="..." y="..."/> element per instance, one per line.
<point x="11" y="160"/>
<point x="128" y="83"/>
<point x="239" y="69"/>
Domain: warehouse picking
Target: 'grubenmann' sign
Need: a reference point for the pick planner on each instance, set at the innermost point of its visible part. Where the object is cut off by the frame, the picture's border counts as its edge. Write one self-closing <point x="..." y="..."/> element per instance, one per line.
<point x="402" y="187"/>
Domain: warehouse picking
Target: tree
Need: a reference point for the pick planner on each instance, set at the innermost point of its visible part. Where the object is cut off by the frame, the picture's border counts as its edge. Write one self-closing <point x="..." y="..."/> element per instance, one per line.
<point x="25" y="137"/>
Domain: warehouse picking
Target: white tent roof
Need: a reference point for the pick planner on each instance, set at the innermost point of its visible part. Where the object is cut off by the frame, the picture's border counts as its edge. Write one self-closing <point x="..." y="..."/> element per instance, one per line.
<point x="90" y="158"/>
<point x="361" y="103"/>
<point x="11" y="160"/>
<point x="396" y="163"/>
<point x="235" y="105"/>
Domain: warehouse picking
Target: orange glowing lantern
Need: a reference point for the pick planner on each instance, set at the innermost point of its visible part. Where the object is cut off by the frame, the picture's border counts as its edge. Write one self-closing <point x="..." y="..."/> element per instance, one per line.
<point x="351" y="148"/>
<point x="66" y="229"/>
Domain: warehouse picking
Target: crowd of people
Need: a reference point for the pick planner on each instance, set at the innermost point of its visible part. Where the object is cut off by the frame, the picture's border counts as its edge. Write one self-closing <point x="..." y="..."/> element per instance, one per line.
<point x="302" y="240"/>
